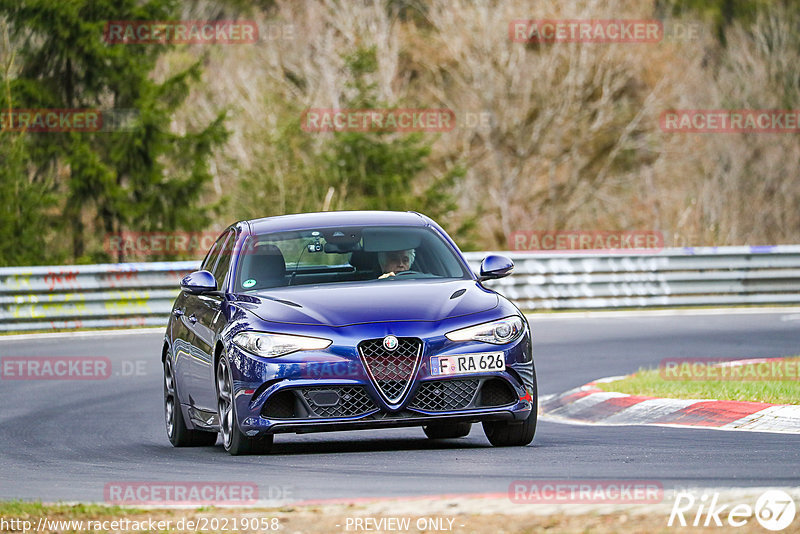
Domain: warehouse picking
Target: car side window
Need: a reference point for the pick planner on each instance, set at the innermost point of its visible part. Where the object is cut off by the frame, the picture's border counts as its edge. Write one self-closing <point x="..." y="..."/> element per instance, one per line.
<point x="224" y="263"/>
<point x="213" y="255"/>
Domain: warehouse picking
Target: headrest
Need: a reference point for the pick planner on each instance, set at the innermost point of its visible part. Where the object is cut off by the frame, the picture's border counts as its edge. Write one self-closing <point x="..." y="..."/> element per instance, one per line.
<point x="364" y="261"/>
<point x="265" y="265"/>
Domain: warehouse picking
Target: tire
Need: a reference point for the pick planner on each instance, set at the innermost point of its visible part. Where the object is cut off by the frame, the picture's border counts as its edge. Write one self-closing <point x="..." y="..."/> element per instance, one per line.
<point x="447" y="430"/>
<point x="233" y="440"/>
<point x="514" y="433"/>
<point x="511" y="433"/>
<point x="177" y="432"/>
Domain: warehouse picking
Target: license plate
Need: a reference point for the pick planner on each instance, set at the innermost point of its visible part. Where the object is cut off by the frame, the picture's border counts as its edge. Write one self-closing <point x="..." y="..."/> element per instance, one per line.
<point x="464" y="364"/>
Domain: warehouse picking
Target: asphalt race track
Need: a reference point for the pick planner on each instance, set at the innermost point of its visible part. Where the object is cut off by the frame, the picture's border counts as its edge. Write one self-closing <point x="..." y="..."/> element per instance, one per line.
<point x="65" y="440"/>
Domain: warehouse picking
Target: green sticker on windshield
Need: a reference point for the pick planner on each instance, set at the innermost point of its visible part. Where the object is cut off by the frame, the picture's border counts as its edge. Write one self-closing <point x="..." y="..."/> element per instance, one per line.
<point x="249" y="283"/>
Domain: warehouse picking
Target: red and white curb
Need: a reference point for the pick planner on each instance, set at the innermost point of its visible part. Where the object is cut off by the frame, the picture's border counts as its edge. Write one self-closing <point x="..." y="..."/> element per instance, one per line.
<point x="591" y="405"/>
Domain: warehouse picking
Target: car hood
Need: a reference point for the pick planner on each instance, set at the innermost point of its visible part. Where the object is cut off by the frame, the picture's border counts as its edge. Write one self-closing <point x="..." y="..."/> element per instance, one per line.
<point x="369" y="302"/>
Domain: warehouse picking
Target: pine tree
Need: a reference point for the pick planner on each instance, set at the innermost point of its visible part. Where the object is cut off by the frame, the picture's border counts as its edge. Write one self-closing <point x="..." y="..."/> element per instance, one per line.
<point x="143" y="177"/>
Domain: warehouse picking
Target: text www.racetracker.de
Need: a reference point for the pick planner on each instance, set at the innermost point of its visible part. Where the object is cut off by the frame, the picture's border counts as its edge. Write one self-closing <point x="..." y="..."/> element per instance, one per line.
<point x="216" y="524"/>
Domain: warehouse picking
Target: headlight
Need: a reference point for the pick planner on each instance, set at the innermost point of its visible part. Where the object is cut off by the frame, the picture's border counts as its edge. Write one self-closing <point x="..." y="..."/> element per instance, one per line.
<point x="496" y="332"/>
<point x="272" y="345"/>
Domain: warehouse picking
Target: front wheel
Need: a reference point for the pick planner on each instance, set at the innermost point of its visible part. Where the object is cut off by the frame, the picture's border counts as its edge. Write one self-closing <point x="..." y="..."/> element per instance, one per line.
<point x="178" y="434"/>
<point x="515" y="433"/>
<point x="234" y="441"/>
<point x="511" y="433"/>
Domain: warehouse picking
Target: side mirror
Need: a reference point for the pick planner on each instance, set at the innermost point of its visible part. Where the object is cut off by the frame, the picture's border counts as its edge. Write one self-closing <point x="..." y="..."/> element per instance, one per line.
<point x="199" y="282"/>
<point x="495" y="266"/>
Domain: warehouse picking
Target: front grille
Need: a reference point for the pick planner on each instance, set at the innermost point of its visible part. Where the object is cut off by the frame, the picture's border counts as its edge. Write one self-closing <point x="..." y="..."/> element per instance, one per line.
<point x="352" y="400"/>
<point x="443" y="395"/>
<point x="391" y="371"/>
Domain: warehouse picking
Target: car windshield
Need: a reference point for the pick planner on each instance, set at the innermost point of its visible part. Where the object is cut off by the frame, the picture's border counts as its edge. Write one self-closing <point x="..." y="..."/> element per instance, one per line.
<point x="345" y="254"/>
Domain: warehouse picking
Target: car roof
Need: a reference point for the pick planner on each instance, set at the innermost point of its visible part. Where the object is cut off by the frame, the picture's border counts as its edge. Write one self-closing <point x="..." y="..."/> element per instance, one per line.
<point x="301" y="221"/>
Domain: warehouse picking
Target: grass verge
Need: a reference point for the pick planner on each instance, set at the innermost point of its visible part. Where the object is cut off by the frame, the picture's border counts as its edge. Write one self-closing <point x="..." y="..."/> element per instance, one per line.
<point x="749" y="383"/>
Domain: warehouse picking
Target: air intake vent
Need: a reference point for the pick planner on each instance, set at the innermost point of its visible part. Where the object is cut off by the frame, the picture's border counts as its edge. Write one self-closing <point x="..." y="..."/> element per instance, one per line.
<point x="458" y="293"/>
<point x="497" y="392"/>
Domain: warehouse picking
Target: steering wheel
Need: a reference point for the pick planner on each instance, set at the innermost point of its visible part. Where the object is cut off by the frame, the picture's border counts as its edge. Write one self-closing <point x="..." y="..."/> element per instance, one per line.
<point x="402" y="273"/>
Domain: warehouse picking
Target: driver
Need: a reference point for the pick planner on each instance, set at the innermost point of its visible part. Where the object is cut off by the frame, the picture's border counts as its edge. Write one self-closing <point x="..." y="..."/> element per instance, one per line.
<point x="395" y="262"/>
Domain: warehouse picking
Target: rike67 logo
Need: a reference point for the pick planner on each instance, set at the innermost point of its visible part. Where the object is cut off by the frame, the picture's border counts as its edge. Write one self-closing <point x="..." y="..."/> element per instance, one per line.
<point x="774" y="510"/>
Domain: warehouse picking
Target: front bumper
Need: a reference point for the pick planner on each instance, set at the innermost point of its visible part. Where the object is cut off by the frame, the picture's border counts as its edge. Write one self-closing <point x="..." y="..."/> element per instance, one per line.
<point x="331" y="390"/>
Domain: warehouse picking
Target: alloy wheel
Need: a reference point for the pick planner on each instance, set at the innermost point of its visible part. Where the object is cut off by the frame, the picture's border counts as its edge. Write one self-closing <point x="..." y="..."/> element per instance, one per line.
<point x="225" y="402"/>
<point x="169" y="397"/>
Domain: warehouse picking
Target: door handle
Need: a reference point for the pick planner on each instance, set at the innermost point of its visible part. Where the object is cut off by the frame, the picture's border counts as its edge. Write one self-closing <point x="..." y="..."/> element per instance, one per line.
<point x="193" y="318"/>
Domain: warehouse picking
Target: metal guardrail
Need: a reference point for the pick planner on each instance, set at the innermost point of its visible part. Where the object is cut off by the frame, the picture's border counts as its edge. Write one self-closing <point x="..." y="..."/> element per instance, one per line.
<point x="89" y="296"/>
<point x="141" y="294"/>
<point x="708" y="276"/>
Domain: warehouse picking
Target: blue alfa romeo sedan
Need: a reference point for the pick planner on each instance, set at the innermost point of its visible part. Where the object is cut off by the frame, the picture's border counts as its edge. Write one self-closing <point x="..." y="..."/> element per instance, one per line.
<point x="344" y="321"/>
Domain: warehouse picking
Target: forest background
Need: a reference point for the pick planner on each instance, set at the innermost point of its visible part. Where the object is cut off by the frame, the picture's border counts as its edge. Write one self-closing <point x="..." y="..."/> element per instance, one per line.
<point x="548" y="136"/>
